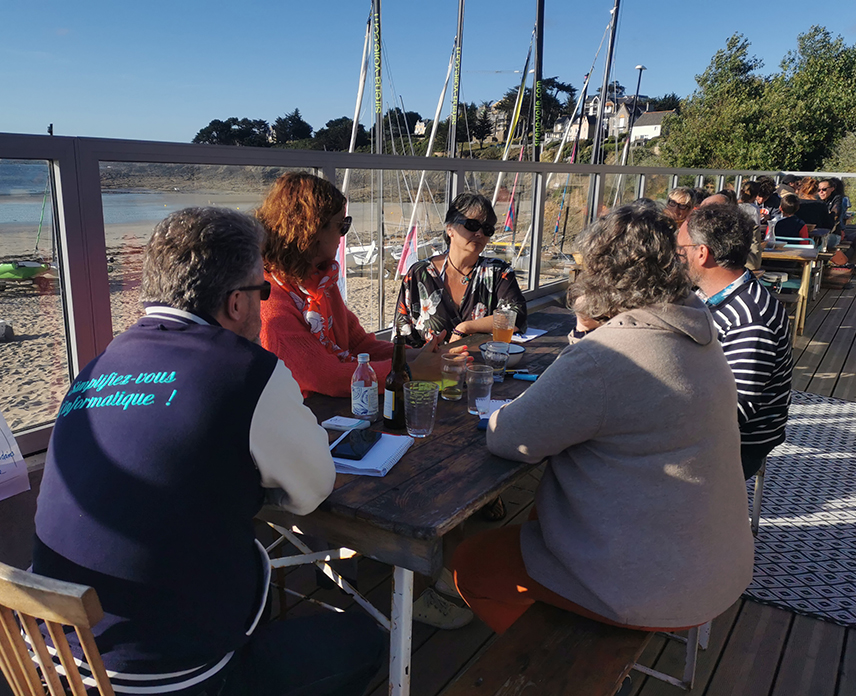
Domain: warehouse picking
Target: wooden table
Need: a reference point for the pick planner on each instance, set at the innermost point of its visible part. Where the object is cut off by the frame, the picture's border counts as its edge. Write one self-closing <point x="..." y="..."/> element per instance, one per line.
<point x="805" y="257"/>
<point x="401" y="518"/>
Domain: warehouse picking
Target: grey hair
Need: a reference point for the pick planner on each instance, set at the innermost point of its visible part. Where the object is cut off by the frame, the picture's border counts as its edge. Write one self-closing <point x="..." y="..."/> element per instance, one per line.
<point x="197" y="256"/>
<point x="724" y="229"/>
<point x="630" y="260"/>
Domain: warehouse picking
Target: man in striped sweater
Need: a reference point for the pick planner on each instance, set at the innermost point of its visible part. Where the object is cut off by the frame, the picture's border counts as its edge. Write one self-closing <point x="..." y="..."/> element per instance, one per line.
<point x="752" y="325"/>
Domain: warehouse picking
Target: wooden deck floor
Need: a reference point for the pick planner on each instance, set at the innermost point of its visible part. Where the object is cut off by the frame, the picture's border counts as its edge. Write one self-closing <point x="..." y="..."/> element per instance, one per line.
<point x="755" y="650"/>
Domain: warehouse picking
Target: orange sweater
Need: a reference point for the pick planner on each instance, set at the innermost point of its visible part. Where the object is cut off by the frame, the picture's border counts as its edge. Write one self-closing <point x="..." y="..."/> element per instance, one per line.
<point x="286" y="334"/>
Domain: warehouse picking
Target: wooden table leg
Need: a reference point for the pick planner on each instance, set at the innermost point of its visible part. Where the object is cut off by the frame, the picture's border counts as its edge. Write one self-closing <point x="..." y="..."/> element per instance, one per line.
<point x="401" y="630"/>
<point x="804" y="292"/>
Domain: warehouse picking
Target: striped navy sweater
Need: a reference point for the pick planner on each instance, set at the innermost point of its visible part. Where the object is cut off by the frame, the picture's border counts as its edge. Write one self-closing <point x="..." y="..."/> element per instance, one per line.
<point x="753" y="330"/>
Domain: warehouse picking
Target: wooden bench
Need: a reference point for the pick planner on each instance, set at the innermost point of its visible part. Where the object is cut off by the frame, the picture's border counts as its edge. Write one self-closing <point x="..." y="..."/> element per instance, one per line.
<point x="551" y="652"/>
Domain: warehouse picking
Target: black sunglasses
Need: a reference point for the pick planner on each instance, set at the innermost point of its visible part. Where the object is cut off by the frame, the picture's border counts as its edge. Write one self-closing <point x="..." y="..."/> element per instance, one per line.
<point x="346" y="225"/>
<point x="475" y="225"/>
<point x="264" y="290"/>
<point x="674" y="204"/>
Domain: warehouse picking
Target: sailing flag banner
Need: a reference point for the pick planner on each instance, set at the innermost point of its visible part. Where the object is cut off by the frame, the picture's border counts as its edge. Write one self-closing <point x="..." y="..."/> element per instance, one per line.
<point x="409" y="254"/>
<point x="343" y="269"/>
<point x="509" y="217"/>
<point x="13" y="470"/>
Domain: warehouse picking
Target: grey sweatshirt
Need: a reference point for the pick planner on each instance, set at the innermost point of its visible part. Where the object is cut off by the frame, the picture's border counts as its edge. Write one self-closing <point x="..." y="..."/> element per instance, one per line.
<point x="642" y="510"/>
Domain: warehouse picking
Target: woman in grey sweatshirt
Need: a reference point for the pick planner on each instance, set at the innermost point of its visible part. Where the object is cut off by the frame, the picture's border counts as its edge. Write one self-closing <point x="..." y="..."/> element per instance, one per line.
<point x="642" y="517"/>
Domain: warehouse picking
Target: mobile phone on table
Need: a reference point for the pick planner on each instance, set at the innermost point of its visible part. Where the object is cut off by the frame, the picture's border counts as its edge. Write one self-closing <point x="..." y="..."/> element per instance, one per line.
<point x="356" y="444"/>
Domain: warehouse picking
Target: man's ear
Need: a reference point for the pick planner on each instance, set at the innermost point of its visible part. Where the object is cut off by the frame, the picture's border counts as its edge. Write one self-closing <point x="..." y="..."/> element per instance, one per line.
<point x="704" y="255"/>
<point x="232" y="306"/>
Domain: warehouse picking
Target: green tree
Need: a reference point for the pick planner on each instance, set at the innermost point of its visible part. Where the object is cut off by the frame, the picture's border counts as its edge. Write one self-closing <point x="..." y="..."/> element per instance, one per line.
<point x="668" y="102"/>
<point x="336" y="135"/>
<point x="232" y="131"/>
<point x="483" y="126"/>
<point x="551" y="106"/>
<point x="291" y="127"/>
<point x="720" y="124"/>
<point x="794" y="119"/>
<point x="809" y="109"/>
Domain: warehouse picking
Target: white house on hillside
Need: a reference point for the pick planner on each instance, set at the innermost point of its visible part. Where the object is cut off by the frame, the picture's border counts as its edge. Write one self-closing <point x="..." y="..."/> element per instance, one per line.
<point x="648" y="125"/>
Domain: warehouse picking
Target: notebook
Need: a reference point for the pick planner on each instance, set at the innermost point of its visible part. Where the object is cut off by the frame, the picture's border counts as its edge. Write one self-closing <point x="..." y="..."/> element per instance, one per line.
<point x="379" y="459"/>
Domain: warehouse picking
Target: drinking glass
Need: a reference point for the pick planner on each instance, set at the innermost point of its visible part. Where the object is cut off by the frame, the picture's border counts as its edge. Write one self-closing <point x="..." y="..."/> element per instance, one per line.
<point x="479" y="383"/>
<point x="420" y="406"/>
<point x="495" y="354"/>
<point x="503" y="324"/>
<point x="454" y="370"/>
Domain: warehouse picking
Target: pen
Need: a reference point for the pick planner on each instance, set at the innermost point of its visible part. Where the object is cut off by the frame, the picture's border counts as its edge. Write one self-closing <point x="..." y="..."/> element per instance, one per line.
<point x="523" y="370"/>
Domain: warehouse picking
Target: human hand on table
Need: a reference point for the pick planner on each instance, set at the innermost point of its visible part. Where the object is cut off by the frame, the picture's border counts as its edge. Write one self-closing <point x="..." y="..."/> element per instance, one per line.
<point x="426" y="365"/>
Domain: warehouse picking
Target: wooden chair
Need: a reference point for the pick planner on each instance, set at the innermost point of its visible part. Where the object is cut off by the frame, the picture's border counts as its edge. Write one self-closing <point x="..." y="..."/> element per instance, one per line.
<point x="26" y="597"/>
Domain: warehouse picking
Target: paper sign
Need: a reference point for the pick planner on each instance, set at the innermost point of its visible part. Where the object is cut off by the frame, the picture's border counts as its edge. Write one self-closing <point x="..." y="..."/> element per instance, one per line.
<point x="13" y="470"/>
<point x="528" y="336"/>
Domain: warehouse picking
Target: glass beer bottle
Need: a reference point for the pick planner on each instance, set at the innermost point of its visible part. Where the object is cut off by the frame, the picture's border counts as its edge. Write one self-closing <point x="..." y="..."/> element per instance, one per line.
<point x="393" y="394"/>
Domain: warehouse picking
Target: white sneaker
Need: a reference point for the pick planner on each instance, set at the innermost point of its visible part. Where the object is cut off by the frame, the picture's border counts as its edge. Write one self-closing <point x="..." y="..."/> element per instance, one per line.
<point x="446" y="584"/>
<point x="435" y="611"/>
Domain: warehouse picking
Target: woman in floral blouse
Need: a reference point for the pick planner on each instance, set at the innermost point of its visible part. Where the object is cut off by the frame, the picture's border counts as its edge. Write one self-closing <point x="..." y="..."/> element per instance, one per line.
<point x="457" y="292"/>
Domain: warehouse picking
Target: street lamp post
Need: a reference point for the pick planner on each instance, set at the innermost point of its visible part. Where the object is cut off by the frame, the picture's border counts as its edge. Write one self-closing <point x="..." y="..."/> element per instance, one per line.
<point x="632" y="118"/>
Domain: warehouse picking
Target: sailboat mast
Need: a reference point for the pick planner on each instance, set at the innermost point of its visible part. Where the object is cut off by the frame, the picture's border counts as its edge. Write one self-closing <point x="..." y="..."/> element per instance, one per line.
<point x="361" y="90"/>
<point x="537" y="82"/>
<point x="607" y="70"/>
<point x="378" y="148"/>
<point x="456" y="82"/>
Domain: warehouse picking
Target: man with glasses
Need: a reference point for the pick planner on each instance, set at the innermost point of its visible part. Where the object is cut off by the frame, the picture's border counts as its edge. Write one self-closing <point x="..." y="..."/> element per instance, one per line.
<point x="161" y="455"/>
<point x="751" y="324"/>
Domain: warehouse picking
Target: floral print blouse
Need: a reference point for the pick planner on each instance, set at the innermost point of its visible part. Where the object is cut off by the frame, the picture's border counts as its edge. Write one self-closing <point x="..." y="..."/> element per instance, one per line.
<point x="425" y="307"/>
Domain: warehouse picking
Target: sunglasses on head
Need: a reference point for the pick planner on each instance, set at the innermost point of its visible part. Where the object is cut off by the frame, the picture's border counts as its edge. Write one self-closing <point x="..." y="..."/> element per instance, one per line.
<point x="472" y="225"/>
<point x="264" y="290"/>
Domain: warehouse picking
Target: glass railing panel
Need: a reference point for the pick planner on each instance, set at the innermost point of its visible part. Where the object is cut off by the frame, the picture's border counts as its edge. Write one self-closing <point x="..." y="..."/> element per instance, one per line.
<point x="381" y="213"/>
<point x="564" y="217"/>
<point x="33" y="337"/>
<point x="620" y="189"/>
<point x="513" y="208"/>
<point x="657" y="187"/>
<point x="135" y="196"/>
<point x="687" y="180"/>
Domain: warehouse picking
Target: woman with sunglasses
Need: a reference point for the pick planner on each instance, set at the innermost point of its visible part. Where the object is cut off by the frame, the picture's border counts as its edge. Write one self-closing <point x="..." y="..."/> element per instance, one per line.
<point x="457" y="292"/>
<point x="305" y="322"/>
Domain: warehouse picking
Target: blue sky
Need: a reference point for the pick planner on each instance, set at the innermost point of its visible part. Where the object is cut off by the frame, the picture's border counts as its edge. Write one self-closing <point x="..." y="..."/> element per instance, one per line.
<point x="158" y="70"/>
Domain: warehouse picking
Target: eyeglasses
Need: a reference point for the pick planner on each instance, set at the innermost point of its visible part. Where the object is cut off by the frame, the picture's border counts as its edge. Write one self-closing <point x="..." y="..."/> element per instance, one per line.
<point x="472" y="225"/>
<point x="828" y="188"/>
<point x="346" y="225"/>
<point x="264" y="290"/>
<point x="674" y="204"/>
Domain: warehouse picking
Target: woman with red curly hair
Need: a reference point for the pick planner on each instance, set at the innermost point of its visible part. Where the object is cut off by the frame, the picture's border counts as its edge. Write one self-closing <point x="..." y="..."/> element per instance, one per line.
<point x="305" y="322"/>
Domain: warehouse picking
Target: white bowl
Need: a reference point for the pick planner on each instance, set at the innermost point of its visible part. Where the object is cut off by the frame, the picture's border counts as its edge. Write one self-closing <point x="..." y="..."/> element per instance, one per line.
<point x="515" y="353"/>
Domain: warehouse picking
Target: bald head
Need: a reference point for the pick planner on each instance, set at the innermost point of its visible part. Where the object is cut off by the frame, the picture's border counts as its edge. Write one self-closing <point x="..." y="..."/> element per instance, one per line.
<point x="715" y="199"/>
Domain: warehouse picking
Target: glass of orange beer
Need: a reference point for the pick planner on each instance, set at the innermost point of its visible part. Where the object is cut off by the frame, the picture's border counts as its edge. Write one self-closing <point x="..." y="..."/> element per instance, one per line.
<point x="503" y="324"/>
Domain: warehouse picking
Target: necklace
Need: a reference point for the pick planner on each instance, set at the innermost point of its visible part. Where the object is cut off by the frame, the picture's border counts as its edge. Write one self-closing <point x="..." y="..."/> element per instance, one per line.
<point x="464" y="278"/>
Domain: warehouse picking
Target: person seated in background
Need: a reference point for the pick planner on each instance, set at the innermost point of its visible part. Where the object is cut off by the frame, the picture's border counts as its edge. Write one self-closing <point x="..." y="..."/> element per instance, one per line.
<point x="637" y="423"/>
<point x="788" y="184"/>
<point x="789" y="225"/>
<point x="752" y="326"/>
<point x="768" y="200"/>
<point x="305" y="322"/>
<point x="161" y="455"/>
<point x="457" y="292"/>
<point x="307" y="325"/>
<point x="680" y="203"/>
<point x="813" y="211"/>
<point x="831" y="192"/>
<point x="747" y="201"/>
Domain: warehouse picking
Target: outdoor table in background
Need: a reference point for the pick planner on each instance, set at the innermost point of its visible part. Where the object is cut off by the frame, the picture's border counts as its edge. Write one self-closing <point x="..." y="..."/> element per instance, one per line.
<point x="401" y="518"/>
<point x="805" y="257"/>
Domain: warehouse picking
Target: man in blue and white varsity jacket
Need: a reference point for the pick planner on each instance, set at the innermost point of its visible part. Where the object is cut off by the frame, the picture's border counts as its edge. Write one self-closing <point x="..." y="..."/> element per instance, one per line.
<point x="752" y="325"/>
<point x="159" y="459"/>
